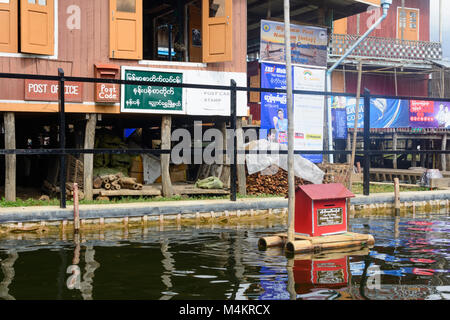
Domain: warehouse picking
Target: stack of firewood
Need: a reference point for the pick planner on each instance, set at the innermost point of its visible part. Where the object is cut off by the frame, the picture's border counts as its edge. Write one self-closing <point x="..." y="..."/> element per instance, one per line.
<point x="53" y="190"/>
<point x="116" y="182"/>
<point x="275" y="184"/>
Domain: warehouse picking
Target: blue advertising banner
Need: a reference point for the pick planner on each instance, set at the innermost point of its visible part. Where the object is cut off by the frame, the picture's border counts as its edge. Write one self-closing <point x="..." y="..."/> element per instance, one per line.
<point x="273" y="105"/>
<point x="384" y="113"/>
<point x="339" y="117"/>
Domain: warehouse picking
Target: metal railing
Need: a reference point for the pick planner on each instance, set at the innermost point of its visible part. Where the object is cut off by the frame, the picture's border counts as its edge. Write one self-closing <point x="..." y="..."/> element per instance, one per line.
<point x="385" y="48"/>
<point x="62" y="151"/>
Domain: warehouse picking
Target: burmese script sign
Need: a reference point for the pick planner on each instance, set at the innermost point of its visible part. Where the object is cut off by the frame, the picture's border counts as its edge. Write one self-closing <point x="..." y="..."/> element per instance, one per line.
<point x="152" y="99"/>
<point x="329" y="217"/>
<point x="43" y="90"/>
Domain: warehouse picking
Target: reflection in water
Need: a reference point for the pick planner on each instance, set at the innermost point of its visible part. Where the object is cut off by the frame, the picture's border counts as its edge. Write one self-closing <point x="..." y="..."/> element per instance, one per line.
<point x="74" y="281"/>
<point x="169" y="267"/>
<point x="8" y="274"/>
<point x="409" y="261"/>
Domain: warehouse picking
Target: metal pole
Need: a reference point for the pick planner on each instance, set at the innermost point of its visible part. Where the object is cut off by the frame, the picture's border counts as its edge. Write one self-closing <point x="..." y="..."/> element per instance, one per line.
<point x="290" y="114"/>
<point x="233" y="182"/>
<point x="170" y="42"/>
<point x="366" y="142"/>
<point x="62" y="140"/>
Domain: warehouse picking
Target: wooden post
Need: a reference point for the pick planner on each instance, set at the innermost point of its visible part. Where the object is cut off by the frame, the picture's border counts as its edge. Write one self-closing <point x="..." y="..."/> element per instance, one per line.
<point x="414" y="156"/>
<point x="242" y="183"/>
<point x="290" y="114"/>
<point x="397" y="196"/>
<point x="10" y="159"/>
<point x="444" y="156"/>
<point x="355" y="132"/>
<point x="394" y="148"/>
<point x="76" y="209"/>
<point x="349" y="146"/>
<point x="166" y="125"/>
<point x="89" y="142"/>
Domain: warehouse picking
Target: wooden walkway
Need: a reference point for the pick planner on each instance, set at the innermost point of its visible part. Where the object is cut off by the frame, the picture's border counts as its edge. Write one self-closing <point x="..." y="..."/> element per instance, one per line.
<point x="410" y="176"/>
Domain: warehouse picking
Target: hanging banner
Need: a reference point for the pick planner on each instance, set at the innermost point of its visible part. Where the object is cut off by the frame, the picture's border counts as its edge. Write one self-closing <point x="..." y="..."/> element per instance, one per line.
<point x="273" y="105"/>
<point x="339" y="117"/>
<point x="429" y="114"/>
<point x="309" y="111"/>
<point x="384" y="113"/>
<point x="308" y="44"/>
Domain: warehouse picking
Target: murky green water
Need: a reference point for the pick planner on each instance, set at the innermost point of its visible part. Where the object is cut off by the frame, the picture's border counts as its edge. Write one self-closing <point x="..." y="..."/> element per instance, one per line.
<point x="409" y="261"/>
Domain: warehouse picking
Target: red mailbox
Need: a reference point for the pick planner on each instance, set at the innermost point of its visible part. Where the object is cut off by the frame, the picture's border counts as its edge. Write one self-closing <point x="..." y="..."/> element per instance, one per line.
<point x="321" y="209"/>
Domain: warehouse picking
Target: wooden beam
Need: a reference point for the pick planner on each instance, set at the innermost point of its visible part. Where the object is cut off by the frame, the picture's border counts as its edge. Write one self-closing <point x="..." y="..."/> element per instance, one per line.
<point x="166" y="125"/>
<point x="89" y="142"/>
<point x="10" y="159"/>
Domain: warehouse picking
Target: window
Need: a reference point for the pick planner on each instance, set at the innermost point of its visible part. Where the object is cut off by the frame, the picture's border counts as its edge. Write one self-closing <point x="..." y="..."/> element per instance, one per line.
<point x="36" y="18"/>
<point x="408" y="22"/>
<point x="171" y="31"/>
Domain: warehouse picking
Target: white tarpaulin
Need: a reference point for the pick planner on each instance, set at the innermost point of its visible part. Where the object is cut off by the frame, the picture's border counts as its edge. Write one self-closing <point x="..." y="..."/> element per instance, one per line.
<point x="303" y="168"/>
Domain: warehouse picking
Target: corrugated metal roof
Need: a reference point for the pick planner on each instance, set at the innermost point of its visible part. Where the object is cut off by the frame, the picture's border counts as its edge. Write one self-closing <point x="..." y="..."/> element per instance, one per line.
<point x="444" y="63"/>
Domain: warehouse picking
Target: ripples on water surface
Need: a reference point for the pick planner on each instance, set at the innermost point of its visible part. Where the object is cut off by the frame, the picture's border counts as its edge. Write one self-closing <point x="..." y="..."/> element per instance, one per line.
<point x="410" y="260"/>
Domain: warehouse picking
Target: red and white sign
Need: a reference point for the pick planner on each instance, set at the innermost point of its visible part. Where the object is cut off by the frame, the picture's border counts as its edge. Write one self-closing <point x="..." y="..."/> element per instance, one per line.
<point x="107" y="92"/>
<point x="43" y="90"/>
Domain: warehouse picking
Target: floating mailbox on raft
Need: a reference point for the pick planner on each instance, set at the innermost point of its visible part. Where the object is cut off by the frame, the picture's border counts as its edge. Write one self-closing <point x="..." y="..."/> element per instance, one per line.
<point x="321" y="209"/>
<point x="320" y="222"/>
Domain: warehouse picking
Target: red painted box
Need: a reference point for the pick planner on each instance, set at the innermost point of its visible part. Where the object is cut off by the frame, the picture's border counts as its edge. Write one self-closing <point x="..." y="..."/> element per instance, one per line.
<point x="321" y="209"/>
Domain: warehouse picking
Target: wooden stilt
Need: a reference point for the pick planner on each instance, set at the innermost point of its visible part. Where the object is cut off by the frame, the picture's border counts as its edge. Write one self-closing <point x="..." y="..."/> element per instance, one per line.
<point x="89" y="142"/>
<point x="394" y="148"/>
<point x="166" y="124"/>
<point x="10" y="159"/>
<point x="242" y="183"/>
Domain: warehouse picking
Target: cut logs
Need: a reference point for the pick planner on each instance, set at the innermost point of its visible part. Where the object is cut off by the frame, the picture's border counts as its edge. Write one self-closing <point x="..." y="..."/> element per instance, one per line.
<point x="116" y="182"/>
<point x="274" y="182"/>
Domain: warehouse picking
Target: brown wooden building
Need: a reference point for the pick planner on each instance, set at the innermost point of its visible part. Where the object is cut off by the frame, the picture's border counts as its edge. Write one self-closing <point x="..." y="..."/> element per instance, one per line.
<point x="204" y="40"/>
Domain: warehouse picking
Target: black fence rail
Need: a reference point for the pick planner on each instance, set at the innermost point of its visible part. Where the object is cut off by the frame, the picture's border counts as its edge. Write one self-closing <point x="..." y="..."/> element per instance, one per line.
<point x="62" y="151"/>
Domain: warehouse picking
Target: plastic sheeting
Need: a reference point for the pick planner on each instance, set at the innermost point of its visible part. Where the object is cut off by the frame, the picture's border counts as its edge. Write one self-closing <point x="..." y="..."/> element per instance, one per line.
<point x="303" y="168"/>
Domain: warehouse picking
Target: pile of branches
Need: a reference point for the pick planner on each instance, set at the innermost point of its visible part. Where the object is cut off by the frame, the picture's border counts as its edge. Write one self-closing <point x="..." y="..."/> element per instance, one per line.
<point x="116" y="182"/>
<point x="275" y="184"/>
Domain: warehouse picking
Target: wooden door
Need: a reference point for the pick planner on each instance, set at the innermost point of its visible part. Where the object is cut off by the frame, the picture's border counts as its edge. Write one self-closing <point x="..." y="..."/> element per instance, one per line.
<point x="217" y="38"/>
<point x="37" y="26"/>
<point x="126" y="29"/>
<point x="8" y="26"/>
<point x="410" y="20"/>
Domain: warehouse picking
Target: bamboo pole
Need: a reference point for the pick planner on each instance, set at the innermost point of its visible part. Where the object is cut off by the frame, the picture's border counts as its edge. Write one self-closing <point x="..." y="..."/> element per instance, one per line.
<point x="290" y="113"/>
<point x="355" y="132"/>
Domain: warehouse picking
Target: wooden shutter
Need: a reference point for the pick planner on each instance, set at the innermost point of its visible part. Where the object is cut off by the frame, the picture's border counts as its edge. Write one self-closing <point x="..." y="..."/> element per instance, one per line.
<point x="217" y="29"/>
<point x="411" y="24"/>
<point x="37" y="26"/>
<point x="8" y="26"/>
<point x="125" y="29"/>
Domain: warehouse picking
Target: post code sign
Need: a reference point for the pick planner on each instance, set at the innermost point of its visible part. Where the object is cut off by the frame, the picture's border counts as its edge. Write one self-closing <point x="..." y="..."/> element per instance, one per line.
<point x="107" y="92"/>
<point x="43" y="90"/>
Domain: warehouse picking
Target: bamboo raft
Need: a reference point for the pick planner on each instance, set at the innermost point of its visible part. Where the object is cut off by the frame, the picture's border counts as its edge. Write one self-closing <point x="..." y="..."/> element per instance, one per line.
<point x="304" y="244"/>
